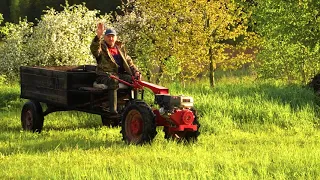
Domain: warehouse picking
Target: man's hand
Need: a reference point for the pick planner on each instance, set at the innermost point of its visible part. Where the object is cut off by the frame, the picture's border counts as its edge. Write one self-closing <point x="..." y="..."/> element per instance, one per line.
<point x="137" y="75"/>
<point x="100" y="29"/>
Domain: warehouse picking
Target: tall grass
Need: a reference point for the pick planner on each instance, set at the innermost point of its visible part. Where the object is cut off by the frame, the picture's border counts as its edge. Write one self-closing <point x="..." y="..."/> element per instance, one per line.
<point x="249" y="130"/>
<point x="242" y="103"/>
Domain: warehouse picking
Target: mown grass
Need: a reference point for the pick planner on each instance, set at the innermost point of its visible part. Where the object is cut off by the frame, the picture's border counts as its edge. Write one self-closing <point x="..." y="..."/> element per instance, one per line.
<point x="249" y="130"/>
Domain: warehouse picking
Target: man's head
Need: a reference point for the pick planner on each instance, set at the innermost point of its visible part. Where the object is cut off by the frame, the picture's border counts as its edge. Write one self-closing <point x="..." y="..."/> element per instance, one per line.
<point x="110" y="36"/>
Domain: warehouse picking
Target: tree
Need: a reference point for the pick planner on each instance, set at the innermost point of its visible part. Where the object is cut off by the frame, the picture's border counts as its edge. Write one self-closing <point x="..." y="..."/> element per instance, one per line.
<point x="59" y="38"/>
<point x="291" y="31"/>
<point x="33" y="9"/>
<point x="65" y="36"/>
<point x="187" y="34"/>
<point x="4" y="9"/>
<point x="15" y="10"/>
<point x="1" y="18"/>
<point x="12" y="49"/>
<point x="226" y="26"/>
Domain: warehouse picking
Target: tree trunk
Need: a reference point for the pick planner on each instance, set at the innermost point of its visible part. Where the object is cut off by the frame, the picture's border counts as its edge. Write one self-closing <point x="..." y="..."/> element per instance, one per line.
<point x="15" y="11"/>
<point x="212" y="68"/>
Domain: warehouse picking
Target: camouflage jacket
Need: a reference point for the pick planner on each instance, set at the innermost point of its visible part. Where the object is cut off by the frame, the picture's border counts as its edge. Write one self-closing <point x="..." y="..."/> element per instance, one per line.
<point x="105" y="61"/>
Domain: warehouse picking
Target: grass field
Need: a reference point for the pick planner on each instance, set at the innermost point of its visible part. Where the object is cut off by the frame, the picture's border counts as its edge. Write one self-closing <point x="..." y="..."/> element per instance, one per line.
<point x="249" y="130"/>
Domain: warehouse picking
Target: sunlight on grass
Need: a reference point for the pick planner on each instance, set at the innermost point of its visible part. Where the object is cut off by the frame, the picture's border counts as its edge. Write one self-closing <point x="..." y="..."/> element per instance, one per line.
<point x="249" y="130"/>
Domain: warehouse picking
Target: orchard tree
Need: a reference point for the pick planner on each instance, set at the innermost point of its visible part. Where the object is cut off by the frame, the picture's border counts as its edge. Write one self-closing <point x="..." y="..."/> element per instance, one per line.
<point x="184" y="38"/>
<point x="161" y="35"/>
<point x="1" y="18"/>
<point x="226" y="28"/>
<point x="59" y="38"/>
<point x="2" y="30"/>
<point x="291" y="31"/>
<point x="13" y="47"/>
<point x="64" y="37"/>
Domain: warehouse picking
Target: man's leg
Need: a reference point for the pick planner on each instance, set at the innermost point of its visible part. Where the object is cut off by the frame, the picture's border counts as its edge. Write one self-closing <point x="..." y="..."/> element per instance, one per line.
<point x="112" y="85"/>
<point x="126" y="77"/>
<point x="112" y="96"/>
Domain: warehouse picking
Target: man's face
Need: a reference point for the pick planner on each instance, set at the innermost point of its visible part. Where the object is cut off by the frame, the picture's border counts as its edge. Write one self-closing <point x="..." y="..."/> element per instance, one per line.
<point x="110" y="39"/>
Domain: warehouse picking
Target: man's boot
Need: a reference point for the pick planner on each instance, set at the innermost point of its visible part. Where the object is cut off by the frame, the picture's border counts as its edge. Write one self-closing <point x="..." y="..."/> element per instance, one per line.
<point x="112" y="96"/>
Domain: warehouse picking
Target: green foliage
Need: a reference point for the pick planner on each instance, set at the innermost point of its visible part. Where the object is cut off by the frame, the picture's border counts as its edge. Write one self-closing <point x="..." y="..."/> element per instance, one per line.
<point x="64" y="37"/>
<point x="172" y="68"/>
<point x="3" y="79"/>
<point x="185" y="30"/>
<point x="59" y="38"/>
<point x="13" y="49"/>
<point x="242" y="103"/>
<point x="1" y="28"/>
<point x="13" y="10"/>
<point x="291" y="31"/>
<point x="1" y="18"/>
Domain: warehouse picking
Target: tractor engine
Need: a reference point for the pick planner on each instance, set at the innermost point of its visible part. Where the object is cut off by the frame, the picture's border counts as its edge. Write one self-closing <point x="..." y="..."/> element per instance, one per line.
<point x="176" y="112"/>
<point x="169" y="102"/>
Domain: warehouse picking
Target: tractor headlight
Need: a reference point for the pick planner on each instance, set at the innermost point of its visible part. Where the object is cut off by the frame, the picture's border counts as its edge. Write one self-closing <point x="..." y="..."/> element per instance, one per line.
<point x="162" y="111"/>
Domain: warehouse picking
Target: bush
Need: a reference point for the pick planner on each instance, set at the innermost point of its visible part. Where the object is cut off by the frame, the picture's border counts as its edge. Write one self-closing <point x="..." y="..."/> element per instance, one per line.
<point x="2" y="79"/>
<point x="13" y="51"/>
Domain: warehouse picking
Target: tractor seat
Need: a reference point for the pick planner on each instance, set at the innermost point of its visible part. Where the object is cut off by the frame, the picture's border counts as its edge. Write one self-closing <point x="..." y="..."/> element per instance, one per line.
<point x="103" y="86"/>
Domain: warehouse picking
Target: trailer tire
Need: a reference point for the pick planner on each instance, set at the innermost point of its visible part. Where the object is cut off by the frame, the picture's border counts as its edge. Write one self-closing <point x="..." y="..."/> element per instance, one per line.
<point x="138" y="123"/>
<point x="32" y="116"/>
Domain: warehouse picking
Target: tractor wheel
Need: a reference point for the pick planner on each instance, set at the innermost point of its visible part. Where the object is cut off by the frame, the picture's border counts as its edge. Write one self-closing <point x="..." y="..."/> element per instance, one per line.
<point x="110" y="121"/>
<point x="184" y="136"/>
<point x="138" y="123"/>
<point x="32" y="117"/>
<point x="315" y="84"/>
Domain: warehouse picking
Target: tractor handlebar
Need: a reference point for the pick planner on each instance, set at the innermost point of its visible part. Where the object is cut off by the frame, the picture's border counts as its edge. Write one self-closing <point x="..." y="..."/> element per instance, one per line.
<point x="139" y="84"/>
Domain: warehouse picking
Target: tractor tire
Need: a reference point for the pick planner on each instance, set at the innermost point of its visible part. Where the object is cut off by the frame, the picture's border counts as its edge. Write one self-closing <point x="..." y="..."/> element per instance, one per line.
<point x="184" y="136"/>
<point x="32" y="116"/>
<point x="138" y="123"/>
<point x="315" y="84"/>
<point x="110" y="121"/>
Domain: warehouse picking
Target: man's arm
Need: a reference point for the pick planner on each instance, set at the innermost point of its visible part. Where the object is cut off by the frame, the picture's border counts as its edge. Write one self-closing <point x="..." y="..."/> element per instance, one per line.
<point x="95" y="46"/>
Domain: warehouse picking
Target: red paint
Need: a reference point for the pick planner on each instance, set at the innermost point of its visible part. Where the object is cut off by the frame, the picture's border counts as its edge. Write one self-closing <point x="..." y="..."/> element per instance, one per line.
<point x="138" y="84"/>
<point x="179" y="120"/>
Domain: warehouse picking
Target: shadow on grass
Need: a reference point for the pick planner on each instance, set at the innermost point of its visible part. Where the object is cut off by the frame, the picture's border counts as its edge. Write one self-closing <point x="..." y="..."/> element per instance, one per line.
<point x="294" y="95"/>
<point x="56" y="134"/>
<point x="10" y="99"/>
<point x="52" y="140"/>
<point x="86" y="125"/>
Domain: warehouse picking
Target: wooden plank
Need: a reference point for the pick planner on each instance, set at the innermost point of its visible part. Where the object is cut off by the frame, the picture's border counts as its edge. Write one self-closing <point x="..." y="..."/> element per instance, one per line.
<point x="54" y="84"/>
<point x="43" y="94"/>
<point x="80" y="79"/>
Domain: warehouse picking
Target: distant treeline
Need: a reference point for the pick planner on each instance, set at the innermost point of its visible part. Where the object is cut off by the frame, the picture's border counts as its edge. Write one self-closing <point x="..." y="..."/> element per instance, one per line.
<point x="12" y="10"/>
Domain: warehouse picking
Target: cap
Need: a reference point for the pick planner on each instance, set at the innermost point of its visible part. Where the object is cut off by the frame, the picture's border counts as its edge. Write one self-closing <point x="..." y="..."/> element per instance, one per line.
<point x="110" y="31"/>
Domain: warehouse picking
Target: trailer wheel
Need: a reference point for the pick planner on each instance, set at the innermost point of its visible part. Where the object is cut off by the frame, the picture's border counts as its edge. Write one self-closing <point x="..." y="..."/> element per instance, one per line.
<point x="110" y="121"/>
<point x="138" y="123"/>
<point x="184" y="136"/>
<point x="32" y="117"/>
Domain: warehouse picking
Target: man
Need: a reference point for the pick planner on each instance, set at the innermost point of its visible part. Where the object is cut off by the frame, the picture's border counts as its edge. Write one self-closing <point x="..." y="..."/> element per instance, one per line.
<point x="111" y="60"/>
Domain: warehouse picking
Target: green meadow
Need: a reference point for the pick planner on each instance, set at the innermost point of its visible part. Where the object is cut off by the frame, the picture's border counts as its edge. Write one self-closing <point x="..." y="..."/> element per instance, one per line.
<point x="250" y="129"/>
